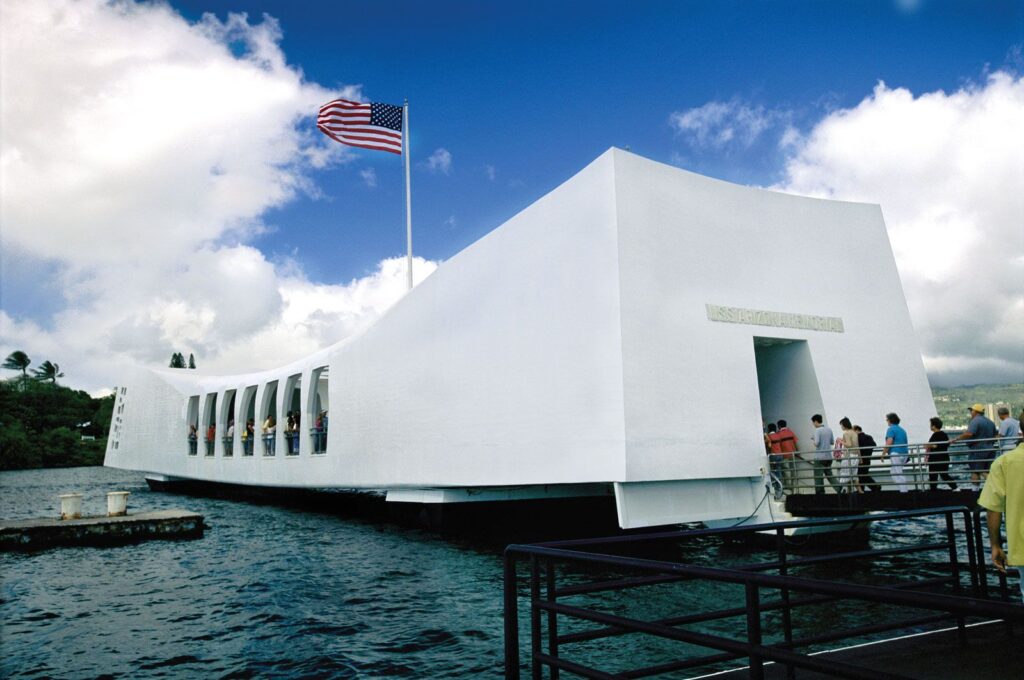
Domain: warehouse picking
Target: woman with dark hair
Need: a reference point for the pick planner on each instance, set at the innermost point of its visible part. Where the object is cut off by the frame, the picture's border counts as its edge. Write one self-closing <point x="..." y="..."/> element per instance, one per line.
<point x="850" y="465"/>
<point x="938" y="456"/>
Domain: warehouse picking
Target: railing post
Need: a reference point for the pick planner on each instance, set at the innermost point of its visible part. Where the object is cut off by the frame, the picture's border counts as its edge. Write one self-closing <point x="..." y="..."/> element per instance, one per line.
<point x="954" y="565"/>
<point x="787" y="612"/>
<point x="972" y="555"/>
<point x="552" y="617"/>
<point x="511" y="619"/>
<point x="979" y="546"/>
<point x="535" y="648"/>
<point x="754" y="630"/>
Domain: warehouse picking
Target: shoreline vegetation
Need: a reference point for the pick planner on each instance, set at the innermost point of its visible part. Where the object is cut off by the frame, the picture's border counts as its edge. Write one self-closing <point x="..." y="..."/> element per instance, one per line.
<point x="46" y="425"/>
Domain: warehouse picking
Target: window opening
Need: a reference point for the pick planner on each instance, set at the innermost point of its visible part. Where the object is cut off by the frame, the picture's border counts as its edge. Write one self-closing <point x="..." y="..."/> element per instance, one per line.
<point x="268" y="414"/>
<point x="317" y="409"/>
<point x="227" y="419"/>
<point x="248" y="434"/>
<point x="192" y="423"/>
<point x="293" y="412"/>
<point x="210" y="422"/>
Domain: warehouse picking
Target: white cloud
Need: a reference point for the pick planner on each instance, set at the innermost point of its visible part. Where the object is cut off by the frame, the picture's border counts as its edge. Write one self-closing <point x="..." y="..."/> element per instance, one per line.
<point x="719" y="124"/>
<point x="491" y="172"/>
<point x="440" y="161"/>
<point x="947" y="171"/>
<point x="369" y="176"/>
<point x="141" y="178"/>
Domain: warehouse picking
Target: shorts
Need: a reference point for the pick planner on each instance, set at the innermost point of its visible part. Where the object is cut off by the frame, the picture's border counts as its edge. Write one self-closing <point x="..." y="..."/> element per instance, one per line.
<point x="979" y="461"/>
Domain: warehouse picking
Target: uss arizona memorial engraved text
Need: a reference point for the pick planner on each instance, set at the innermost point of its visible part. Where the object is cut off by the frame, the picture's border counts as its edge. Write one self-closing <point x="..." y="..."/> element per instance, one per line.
<point x="759" y="317"/>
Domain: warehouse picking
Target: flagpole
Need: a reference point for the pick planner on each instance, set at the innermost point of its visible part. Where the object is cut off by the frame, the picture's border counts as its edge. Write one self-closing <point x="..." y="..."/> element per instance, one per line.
<point x="408" y="196"/>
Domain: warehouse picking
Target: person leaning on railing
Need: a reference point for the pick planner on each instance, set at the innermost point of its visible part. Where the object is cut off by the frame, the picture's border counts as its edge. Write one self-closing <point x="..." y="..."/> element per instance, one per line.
<point x="981" y="431"/>
<point x="1003" y="494"/>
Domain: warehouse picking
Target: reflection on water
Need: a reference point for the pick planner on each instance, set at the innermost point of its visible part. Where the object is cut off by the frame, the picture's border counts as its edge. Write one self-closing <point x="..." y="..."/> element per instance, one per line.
<point x="272" y="591"/>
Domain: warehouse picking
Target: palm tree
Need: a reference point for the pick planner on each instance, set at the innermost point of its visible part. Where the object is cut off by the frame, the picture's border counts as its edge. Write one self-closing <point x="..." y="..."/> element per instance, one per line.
<point x="48" y="371"/>
<point x="18" y="361"/>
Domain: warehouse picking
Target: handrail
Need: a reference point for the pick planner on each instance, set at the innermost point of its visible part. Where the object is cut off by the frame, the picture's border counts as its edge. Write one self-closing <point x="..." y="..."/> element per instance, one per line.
<point x="916" y="469"/>
<point x="966" y="601"/>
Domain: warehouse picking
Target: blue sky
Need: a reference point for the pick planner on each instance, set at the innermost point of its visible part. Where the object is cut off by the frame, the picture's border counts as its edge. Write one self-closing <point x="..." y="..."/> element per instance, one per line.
<point x="191" y="154"/>
<point x="538" y="90"/>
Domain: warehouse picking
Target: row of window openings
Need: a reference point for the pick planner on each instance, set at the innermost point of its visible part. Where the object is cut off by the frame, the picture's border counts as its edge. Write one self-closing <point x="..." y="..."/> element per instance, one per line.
<point x="266" y="431"/>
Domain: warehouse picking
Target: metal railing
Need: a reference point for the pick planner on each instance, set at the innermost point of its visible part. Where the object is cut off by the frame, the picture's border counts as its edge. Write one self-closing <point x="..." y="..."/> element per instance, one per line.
<point x="768" y="599"/>
<point x="291" y="440"/>
<point x="318" y="436"/>
<point x="228" y="442"/>
<point x="867" y="469"/>
<point x="269" y="444"/>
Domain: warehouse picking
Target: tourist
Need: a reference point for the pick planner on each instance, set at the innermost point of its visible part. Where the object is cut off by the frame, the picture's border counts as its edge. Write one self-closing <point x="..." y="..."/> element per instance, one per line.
<point x="289" y="432"/>
<point x="938" y="456"/>
<point x="193" y="438"/>
<point x="1004" y="494"/>
<point x="981" y="431"/>
<point x="824" y="441"/>
<point x="211" y="432"/>
<point x="866" y="448"/>
<point x="269" y="435"/>
<point x="788" y="444"/>
<point x="1009" y="431"/>
<point x="849" y="469"/>
<point x="231" y="429"/>
<point x="896" y="449"/>
<point x="774" y="460"/>
<point x="250" y="435"/>
<point x="295" y="432"/>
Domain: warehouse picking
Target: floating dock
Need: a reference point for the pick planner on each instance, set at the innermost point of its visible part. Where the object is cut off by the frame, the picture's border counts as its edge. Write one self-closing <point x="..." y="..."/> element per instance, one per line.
<point x="39" y="534"/>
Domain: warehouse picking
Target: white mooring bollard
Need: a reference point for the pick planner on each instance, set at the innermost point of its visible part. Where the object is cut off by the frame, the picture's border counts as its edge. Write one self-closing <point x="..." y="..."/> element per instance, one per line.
<point x="70" y="505"/>
<point x="117" y="503"/>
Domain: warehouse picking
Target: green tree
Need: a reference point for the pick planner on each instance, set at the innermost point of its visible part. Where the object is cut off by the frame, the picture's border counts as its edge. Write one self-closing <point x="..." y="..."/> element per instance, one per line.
<point x="191" y="360"/>
<point x="47" y="371"/>
<point x="18" y="361"/>
<point x="16" y="449"/>
<point x="177" y="360"/>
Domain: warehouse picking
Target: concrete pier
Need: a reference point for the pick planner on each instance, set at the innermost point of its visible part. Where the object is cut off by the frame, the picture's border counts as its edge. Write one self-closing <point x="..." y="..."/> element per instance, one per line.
<point x="38" y="534"/>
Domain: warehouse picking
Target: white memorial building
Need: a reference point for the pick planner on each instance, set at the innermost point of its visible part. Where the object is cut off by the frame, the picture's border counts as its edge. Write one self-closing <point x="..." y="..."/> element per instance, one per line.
<point x="626" y="334"/>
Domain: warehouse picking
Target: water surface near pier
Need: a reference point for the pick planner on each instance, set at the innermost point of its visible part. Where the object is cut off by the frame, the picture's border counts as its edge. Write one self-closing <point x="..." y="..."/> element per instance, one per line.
<point x="274" y="591"/>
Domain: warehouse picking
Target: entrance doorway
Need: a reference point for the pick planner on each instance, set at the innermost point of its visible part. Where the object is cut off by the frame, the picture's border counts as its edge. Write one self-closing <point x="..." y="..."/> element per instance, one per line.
<point x="787" y="383"/>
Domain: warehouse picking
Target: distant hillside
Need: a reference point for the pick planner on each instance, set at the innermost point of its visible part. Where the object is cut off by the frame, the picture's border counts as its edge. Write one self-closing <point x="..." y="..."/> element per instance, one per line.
<point x="952" y="402"/>
<point x="44" y="425"/>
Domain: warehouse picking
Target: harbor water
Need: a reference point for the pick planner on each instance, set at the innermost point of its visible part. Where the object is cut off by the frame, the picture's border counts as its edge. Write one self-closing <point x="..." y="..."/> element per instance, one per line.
<point x="282" y="592"/>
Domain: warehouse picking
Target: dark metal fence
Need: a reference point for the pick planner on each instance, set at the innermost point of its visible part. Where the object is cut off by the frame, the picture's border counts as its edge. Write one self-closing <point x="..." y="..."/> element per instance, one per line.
<point x="965" y="592"/>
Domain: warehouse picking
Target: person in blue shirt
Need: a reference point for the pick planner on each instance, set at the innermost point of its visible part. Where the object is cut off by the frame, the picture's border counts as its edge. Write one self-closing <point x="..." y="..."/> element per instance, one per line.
<point x="981" y="435"/>
<point x="896" y="450"/>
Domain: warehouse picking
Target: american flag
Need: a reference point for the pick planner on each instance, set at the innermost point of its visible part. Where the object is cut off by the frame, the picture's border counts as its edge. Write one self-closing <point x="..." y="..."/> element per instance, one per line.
<point x="370" y="126"/>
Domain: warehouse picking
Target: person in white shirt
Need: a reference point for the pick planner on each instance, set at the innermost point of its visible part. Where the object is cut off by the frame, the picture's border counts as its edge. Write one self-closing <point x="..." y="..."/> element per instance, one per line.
<point x="824" y="440"/>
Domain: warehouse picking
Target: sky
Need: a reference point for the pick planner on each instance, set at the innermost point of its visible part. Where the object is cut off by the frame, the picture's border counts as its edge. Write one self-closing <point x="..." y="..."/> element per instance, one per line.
<point x="163" y="186"/>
